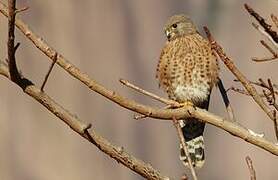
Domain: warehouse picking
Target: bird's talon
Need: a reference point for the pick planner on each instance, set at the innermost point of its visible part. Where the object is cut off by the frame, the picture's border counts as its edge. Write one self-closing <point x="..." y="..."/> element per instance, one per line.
<point x="186" y="103"/>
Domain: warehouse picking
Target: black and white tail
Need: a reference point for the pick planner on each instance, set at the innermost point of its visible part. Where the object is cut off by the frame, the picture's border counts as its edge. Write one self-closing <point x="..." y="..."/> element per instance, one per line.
<point x="196" y="150"/>
<point x="193" y="134"/>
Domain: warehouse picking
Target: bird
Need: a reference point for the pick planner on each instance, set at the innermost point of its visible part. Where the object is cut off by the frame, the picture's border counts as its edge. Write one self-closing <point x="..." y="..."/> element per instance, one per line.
<point x="188" y="70"/>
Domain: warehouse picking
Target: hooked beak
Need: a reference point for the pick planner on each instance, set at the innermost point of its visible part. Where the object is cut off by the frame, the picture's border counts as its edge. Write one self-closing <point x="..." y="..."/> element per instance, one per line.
<point x="168" y="34"/>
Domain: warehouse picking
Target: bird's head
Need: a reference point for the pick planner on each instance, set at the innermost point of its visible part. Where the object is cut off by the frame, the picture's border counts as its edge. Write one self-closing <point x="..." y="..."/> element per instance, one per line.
<point x="179" y="25"/>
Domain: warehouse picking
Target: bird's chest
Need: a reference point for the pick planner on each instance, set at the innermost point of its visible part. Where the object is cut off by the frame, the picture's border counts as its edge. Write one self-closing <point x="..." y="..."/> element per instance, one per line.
<point x="191" y="86"/>
<point x="185" y="69"/>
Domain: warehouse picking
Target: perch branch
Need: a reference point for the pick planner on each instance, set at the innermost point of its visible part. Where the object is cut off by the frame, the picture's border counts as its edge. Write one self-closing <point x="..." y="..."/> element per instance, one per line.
<point x="180" y="113"/>
<point x="71" y="120"/>
<point x="115" y="152"/>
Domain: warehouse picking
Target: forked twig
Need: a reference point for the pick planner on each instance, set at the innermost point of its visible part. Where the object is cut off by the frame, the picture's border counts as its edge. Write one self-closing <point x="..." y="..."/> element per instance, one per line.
<point x="264" y="33"/>
<point x="251" y="168"/>
<point x="261" y="20"/>
<point x="274" y="54"/>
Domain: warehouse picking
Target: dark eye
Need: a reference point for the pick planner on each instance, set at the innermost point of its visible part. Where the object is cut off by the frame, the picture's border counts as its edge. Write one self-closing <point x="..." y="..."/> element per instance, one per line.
<point x="174" y="25"/>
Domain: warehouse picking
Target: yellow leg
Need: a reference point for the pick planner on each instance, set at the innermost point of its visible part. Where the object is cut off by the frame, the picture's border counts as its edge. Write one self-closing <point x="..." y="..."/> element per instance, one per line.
<point x="186" y="103"/>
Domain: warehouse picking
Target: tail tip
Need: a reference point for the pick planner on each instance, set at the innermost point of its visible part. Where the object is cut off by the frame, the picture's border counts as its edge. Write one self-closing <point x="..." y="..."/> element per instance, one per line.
<point x="196" y="151"/>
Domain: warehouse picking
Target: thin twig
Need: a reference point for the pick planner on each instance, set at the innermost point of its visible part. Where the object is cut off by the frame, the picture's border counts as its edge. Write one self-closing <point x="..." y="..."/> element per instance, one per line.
<point x="270" y="95"/>
<point x="242" y="91"/>
<point x="269" y="48"/>
<point x="49" y="71"/>
<point x="275" y="124"/>
<point x="184" y="146"/>
<point x="245" y="82"/>
<point x="274" y="19"/>
<point x="21" y="10"/>
<point x="225" y="98"/>
<point x="271" y="91"/>
<point x="261" y="84"/>
<point x="251" y="168"/>
<point x="140" y="90"/>
<point x="264" y="33"/>
<point x="274" y="54"/>
<point x="261" y="20"/>
<point x="168" y="102"/>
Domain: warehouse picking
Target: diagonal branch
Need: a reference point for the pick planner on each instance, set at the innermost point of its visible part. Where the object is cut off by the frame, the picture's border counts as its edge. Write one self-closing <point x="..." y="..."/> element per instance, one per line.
<point x="262" y="22"/>
<point x="251" y="168"/>
<point x="81" y="128"/>
<point x="245" y="82"/>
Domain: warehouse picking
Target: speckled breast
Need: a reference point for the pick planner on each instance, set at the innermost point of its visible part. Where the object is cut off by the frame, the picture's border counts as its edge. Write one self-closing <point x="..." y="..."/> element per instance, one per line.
<point x="187" y="69"/>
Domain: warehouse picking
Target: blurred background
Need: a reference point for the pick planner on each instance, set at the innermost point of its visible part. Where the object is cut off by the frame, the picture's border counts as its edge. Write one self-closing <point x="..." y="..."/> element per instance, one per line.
<point x="114" y="39"/>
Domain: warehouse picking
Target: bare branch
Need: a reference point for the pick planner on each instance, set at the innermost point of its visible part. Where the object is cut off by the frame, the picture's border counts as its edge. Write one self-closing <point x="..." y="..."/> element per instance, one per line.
<point x="251" y="168"/>
<point x="264" y="33"/>
<point x="15" y="76"/>
<point x="274" y="19"/>
<point x="274" y="54"/>
<point x="179" y="113"/>
<point x="21" y="10"/>
<point x="140" y="90"/>
<point x="49" y="71"/>
<point x="184" y="146"/>
<point x="261" y="20"/>
<point x="275" y="86"/>
<point x="117" y="153"/>
<point x="245" y="82"/>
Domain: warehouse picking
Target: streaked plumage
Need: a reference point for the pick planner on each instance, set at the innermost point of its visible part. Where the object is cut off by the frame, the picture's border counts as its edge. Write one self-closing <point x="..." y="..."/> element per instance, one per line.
<point x="187" y="71"/>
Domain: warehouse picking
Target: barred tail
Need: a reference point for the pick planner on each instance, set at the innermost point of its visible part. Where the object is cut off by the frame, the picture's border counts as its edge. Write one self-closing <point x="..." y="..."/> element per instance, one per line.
<point x="193" y="130"/>
<point x="196" y="149"/>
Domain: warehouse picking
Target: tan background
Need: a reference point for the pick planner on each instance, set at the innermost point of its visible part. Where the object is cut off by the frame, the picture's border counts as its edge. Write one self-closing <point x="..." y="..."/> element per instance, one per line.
<point x="114" y="39"/>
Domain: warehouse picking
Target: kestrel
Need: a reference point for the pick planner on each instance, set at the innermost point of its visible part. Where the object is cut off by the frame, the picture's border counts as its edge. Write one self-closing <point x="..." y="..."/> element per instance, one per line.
<point x="187" y="71"/>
